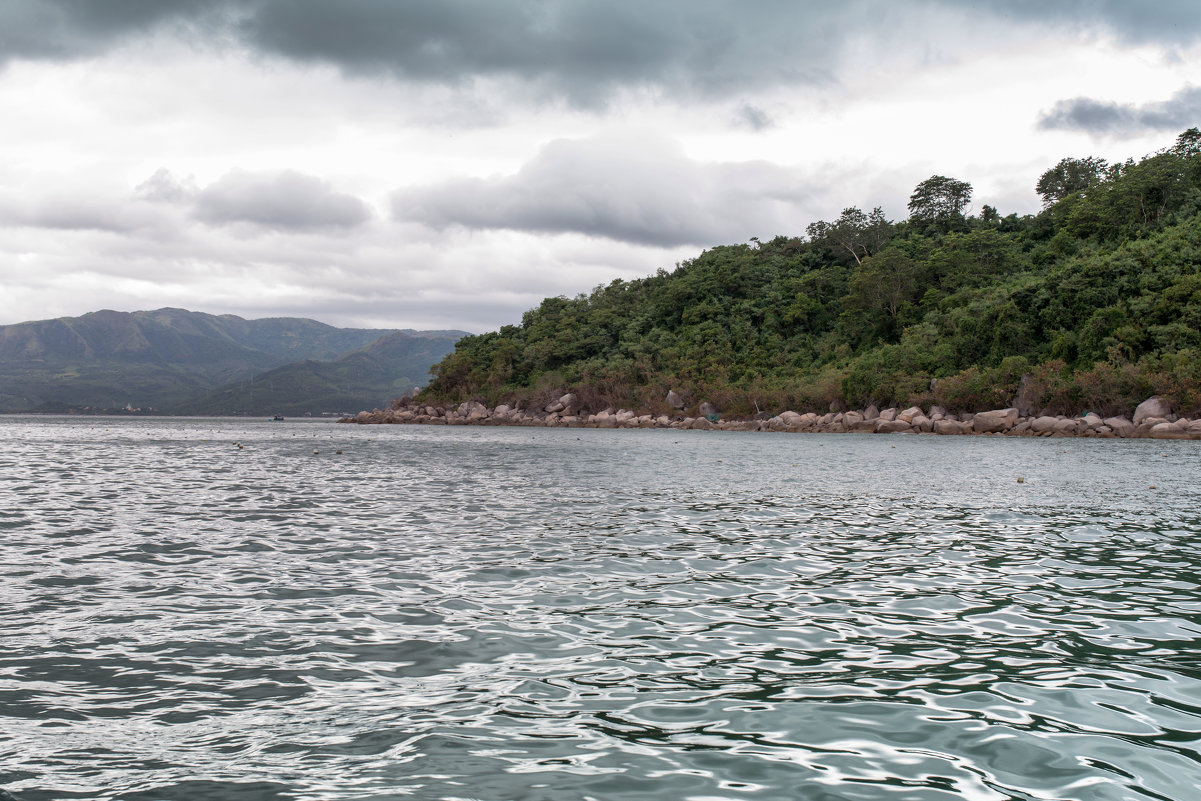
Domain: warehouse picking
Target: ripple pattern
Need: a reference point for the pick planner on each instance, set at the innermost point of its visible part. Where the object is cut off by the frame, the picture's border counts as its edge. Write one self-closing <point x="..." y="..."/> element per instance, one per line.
<point x="478" y="614"/>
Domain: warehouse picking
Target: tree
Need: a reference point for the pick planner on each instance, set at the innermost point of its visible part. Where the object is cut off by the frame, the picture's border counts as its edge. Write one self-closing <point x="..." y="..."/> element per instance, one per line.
<point x="1068" y="177"/>
<point x="939" y="199"/>
<point x="1188" y="144"/>
<point x="857" y="233"/>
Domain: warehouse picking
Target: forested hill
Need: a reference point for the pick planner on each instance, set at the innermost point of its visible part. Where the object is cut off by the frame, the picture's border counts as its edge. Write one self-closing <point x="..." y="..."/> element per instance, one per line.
<point x="1094" y="303"/>
<point x="174" y="360"/>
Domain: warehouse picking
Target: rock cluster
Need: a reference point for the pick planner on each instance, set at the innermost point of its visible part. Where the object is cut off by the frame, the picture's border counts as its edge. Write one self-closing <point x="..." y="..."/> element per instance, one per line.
<point x="1152" y="419"/>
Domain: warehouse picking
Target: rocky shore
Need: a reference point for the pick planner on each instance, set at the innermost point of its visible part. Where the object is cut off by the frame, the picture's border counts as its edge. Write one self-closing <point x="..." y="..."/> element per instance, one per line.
<point x="1152" y="419"/>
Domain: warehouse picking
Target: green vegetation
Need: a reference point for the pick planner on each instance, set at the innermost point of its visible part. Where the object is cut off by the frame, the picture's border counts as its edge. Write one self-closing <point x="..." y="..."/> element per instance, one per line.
<point x="366" y="378"/>
<point x="1094" y="303"/>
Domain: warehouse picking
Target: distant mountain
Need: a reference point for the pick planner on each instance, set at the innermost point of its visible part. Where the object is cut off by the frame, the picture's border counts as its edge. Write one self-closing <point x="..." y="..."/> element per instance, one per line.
<point x="365" y="378"/>
<point x="168" y="359"/>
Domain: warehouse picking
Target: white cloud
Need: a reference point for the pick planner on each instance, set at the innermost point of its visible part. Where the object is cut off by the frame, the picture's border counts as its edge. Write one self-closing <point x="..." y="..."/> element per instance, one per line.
<point x="637" y="188"/>
<point x="236" y="172"/>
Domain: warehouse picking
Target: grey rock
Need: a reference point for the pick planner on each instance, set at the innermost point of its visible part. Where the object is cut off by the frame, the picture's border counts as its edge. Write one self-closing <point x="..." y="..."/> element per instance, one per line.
<point x="995" y="420"/>
<point x="1153" y="406"/>
<point x="1044" y="423"/>
<point x="945" y="426"/>
<point x="674" y="400"/>
<point x="1168" y="431"/>
<point x="1119" y="426"/>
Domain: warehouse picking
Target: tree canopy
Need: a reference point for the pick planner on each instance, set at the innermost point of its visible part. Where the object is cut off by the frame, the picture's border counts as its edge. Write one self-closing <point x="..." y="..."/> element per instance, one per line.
<point x="939" y="198"/>
<point x="1093" y="303"/>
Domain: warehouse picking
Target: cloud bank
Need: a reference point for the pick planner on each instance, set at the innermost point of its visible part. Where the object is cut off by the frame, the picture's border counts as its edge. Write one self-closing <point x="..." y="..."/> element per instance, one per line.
<point x="636" y="189"/>
<point x="576" y="50"/>
<point x="1182" y="110"/>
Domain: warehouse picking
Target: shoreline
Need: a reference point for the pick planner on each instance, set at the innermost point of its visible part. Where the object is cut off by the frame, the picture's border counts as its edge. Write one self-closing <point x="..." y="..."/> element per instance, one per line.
<point x="1152" y="420"/>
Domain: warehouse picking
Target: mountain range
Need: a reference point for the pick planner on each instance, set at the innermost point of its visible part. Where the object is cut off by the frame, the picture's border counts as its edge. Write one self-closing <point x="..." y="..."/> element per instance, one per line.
<point x="184" y="362"/>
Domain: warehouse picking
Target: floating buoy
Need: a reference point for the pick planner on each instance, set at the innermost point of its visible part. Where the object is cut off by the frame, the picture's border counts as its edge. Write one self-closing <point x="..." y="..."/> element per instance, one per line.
<point x="1151" y="487"/>
<point x="1021" y="480"/>
<point x="316" y="452"/>
<point x="338" y="452"/>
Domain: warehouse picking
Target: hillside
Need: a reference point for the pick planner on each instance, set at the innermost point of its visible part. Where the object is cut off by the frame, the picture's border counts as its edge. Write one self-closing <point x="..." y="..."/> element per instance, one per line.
<point x="368" y="377"/>
<point x="159" y="359"/>
<point x="1094" y="303"/>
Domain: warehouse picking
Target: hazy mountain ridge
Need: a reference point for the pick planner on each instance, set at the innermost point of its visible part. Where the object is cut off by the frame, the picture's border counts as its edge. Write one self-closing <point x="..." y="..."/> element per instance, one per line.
<point x="166" y="359"/>
<point x="367" y="377"/>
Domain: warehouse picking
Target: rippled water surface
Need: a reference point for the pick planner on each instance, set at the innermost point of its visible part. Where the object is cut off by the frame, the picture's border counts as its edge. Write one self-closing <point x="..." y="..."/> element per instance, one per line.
<point x="488" y="614"/>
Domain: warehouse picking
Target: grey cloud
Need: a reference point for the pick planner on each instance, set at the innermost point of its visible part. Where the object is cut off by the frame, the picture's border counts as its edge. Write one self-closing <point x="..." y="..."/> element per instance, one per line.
<point x="578" y="50"/>
<point x="1167" y="22"/>
<point x="633" y="189"/>
<point x="64" y="213"/>
<point x="1182" y="110"/>
<point x="753" y="117"/>
<point x="284" y="200"/>
<point x="75" y="28"/>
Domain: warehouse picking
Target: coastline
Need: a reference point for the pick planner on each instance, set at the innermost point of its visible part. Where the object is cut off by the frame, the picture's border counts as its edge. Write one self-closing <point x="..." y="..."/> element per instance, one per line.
<point x="1151" y="420"/>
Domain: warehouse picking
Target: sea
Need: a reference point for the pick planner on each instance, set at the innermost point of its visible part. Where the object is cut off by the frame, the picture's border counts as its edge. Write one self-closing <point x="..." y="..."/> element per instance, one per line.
<point x="246" y="610"/>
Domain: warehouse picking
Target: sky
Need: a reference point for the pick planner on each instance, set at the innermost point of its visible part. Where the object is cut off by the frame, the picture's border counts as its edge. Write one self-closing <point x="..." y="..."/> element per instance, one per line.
<point x="449" y="163"/>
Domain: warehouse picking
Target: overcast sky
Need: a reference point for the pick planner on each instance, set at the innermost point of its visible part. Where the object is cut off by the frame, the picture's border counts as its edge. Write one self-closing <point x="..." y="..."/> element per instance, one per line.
<point x="449" y="163"/>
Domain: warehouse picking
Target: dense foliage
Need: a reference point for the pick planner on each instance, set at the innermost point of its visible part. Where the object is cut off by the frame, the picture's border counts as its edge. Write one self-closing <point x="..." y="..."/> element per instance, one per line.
<point x="1094" y="303"/>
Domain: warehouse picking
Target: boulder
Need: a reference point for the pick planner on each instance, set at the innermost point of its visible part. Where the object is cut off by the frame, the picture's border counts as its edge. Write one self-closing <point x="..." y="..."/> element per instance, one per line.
<point x="1153" y="406"/>
<point x="995" y="420"/>
<point x="909" y="414"/>
<point x="849" y="419"/>
<point x="1093" y="420"/>
<point x="871" y="412"/>
<point x="674" y="400"/>
<point x="469" y="408"/>
<point x="554" y="406"/>
<point x="1042" y="424"/>
<point x="888" y="414"/>
<point x="1065" y="428"/>
<point x="624" y="416"/>
<point x="1119" y="425"/>
<point x="891" y="426"/>
<point x="922" y="423"/>
<point x="1168" y="431"/>
<point x="937" y="412"/>
<point x="944" y="426"/>
<point x="701" y="423"/>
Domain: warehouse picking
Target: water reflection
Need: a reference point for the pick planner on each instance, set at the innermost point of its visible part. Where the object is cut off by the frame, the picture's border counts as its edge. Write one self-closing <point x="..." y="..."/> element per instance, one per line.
<point x="516" y="614"/>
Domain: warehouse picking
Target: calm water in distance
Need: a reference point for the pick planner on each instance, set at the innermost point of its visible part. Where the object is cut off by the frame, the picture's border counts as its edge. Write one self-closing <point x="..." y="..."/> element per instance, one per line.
<point x="494" y="614"/>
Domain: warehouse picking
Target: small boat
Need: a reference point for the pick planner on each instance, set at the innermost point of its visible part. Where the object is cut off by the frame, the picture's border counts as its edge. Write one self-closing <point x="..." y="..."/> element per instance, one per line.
<point x="279" y="418"/>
